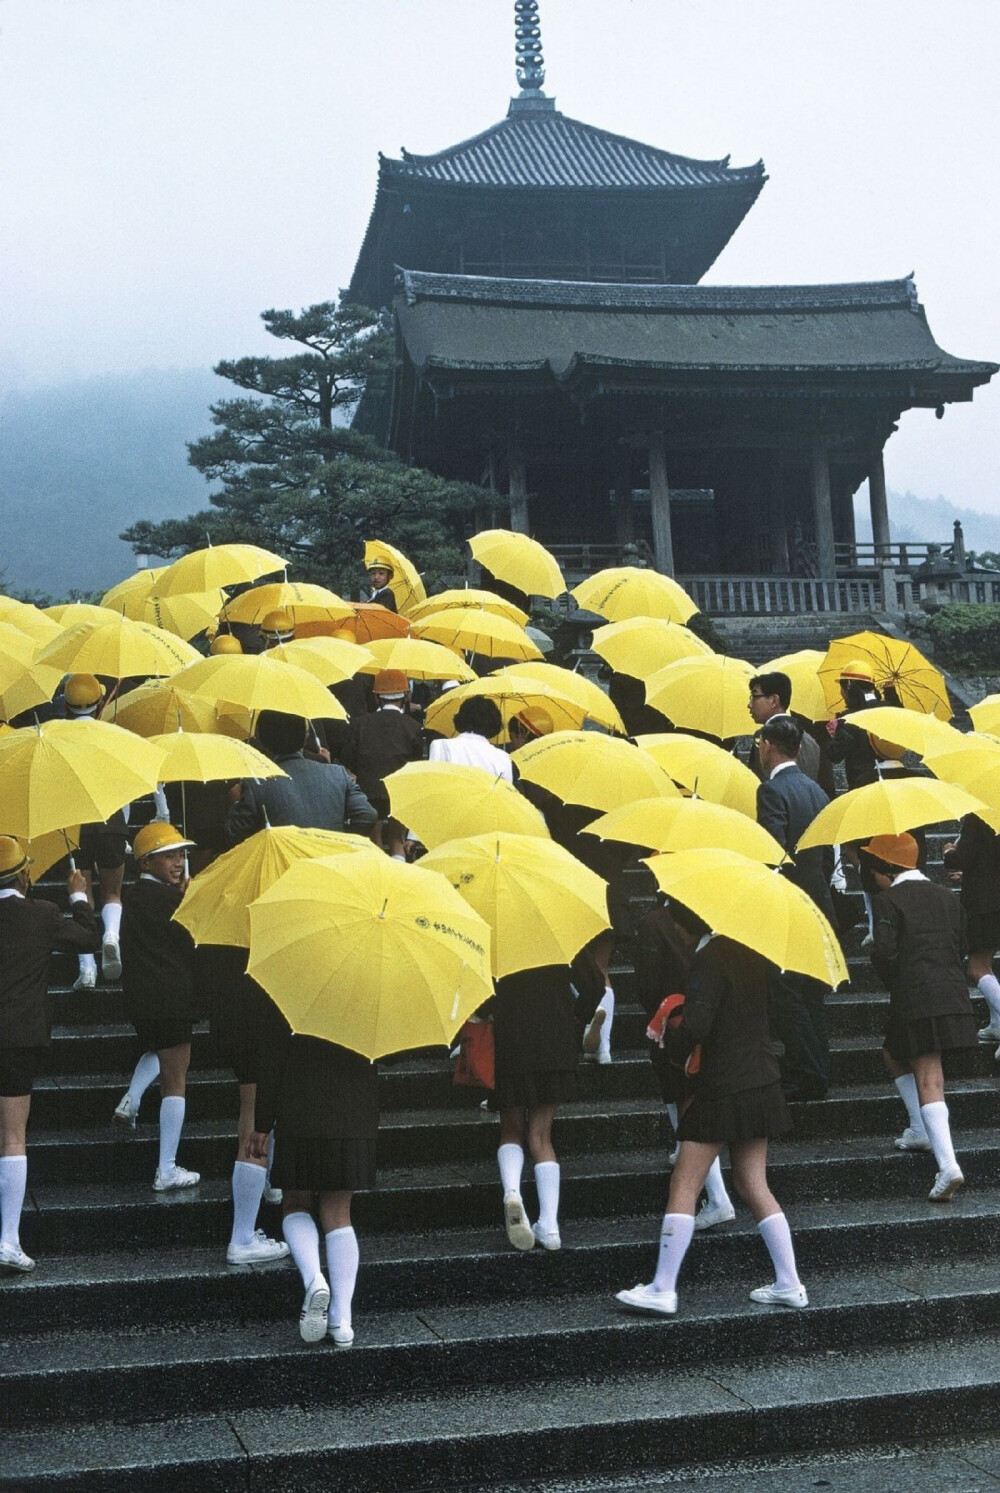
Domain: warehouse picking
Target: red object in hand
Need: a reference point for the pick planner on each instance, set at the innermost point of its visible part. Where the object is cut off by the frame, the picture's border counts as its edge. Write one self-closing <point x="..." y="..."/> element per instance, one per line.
<point x="670" y="1013"/>
<point x="476" y="1065"/>
<point x="833" y="726"/>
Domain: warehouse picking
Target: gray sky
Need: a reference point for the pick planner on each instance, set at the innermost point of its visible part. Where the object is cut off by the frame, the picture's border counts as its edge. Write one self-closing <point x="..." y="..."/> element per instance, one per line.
<point x="172" y="167"/>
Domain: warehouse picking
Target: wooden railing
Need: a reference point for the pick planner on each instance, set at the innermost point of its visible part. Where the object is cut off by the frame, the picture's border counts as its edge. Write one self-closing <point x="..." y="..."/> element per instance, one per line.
<point x="903" y="556"/>
<point x="586" y="559"/>
<point x="784" y="596"/>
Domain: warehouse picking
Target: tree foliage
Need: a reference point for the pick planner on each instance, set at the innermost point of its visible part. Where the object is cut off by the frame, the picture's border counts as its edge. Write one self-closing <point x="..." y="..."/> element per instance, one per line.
<point x="296" y="478"/>
<point x="965" y="637"/>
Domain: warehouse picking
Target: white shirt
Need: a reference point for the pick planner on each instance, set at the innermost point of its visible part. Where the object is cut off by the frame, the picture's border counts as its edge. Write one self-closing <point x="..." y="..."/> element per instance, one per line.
<point x="473" y="751"/>
<point x="909" y="876"/>
<point x="780" y="767"/>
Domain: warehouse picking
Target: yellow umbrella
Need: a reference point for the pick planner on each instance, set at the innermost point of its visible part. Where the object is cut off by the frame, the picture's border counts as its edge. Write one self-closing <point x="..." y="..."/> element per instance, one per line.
<point x="185" y="615"/>
<point x="477" y="631"/>
<point x="704" y="694"/>
<point x="704" y="769"/>
<point x="907" y="729"/>
<point x="974" y="767"/>
<point x="29" y="619"/>
<point x="889" y="808"/>
<point x="582" y="691"/>
<point x="152" y="709"/>
<point x="29" y="686"/>
<point x="896" y="665"/>
<point x="600" y="772"/>
<point x="541" y="904"/>
<point x="17" y="650"/>
<point x="802" y="668"/>
<point x="518" y="560"/>
<point x="986" y="715"/>
<point x="688" y="824"/>
<point x="443" y="601"/>
<point x="417" y="659"/>
<point x="45" y="850"/>
<point x="628" y="591"/>
<point x="118" y="649"/>
<point x="72" y="613"/>
<point x="129" y="597"/>
<point x="405" y="584"/>
<point x="753" y="905"/>
<point x="381" y="961"/>
<point x="257" y="682"/>
<point x="330" y="660"/>
<point x="641" y="645"/>
<point x="510" y="695"/>
<point x="302" y="602"/>
<point x="368" y="622"/>
<point x="216" y="906"/>
<point x="441" y="801"/>
<point x="201" y="757"/>
<point x="65" y="773"/>
<point x="216" y="566"/>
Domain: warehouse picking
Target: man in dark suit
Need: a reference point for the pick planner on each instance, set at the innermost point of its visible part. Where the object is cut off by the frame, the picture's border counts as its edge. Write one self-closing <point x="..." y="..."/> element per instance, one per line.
<point x="770" y="698"/>
<point x="380" y="743"/>
<point x="787" y="803"/>
<point x="313" y="795"/>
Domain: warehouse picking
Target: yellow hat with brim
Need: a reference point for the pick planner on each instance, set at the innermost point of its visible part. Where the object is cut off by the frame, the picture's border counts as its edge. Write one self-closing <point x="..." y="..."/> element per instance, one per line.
<point x="157" y="839"/>
<point x="278" y="624"/>
<point x="83" y="692"/>
<point x="858" y="669"/>
<point x="536" y="720"/>
<point x="224" y="642"/>
<point x="385" y="565"/>
<point x="895" y="850"/>
<point x="12" y="858"/>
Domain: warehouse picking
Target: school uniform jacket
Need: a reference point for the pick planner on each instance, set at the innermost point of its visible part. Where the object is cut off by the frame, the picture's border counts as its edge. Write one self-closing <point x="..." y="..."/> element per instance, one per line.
<point x="319" y="1090"/>
<point x="314" y="795"/>
<point x="726" y="1012"/>
<point x="157" y="954"/>
<point x="380" y="744"/>
<point x="977" y="856"/>
<point x="919" y="948"/>
<point x="786" y="806"/>
<point x="29" y="932"/>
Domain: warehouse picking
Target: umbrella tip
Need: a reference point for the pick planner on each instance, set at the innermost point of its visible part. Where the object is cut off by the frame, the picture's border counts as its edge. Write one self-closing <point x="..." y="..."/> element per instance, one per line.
<point x="385" y="904"/>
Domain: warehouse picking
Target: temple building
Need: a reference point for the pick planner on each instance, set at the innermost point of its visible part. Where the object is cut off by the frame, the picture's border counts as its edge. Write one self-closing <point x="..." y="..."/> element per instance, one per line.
<point x="554" y="345"/>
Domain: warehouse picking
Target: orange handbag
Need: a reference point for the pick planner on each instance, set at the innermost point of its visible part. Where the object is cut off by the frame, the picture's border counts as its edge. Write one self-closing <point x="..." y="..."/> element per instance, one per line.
<point x="476" y="1063"/>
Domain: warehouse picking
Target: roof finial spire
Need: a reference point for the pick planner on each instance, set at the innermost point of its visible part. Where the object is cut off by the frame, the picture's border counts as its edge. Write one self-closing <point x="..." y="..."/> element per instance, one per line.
<point x="528" y="48"/>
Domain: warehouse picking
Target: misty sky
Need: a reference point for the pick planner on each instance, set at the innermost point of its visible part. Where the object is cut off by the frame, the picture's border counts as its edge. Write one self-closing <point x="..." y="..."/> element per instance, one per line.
<point x="172" y="167"/>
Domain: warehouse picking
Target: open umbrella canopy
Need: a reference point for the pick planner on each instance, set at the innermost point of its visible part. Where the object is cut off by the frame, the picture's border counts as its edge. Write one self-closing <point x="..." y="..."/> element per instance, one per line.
<point x="625" y="591"/>
<point x="302" y="602"/>
<point x="379" y="957"/>
<point x="704" y="694"/>
<point x="216" y="906"/>
<point x="368" y="622"/>
<point x="802" y="668"/>
<point x="184" y="614"/>
<point x="704" y="769"/>
<point x="986" y="715"/>
<point x="974" y="766"/>
<point x="896" y="665"/>
<point x="45" y="850"/>
<point x="203" y="757"/>
<point x="404" y="583"/>
<point x="71" y="613"/>
<point x="417" y="658"/>
<point x="443" y="601"/>
<point x="889" y="808"/>
<point x="16" y="650"/>
<point x="158" y="707"/>
<point x="751" y="904"/>
<point x="599" y="772"/>
<point x="29" y="619"/>
<point x="907" y="729"/>
<point x="510" y="694"/>
<point x="441" y="801"/>
<point x="258" y="682"/>
<point x="518" y="560"/>
<point x="27" y="687"/>
<point x="330" y="660"/>
<point x="688" y="824"/>
<point x="67" y="773"/>
<point x="540" y="902"/>
<point x="589" y="696"/>
<point x="217" y="566"/>
<point x="129" y="597"/>
<point x="640" y="646"/>
<point x="118" y="649"/>
<point x="475" y="630"/>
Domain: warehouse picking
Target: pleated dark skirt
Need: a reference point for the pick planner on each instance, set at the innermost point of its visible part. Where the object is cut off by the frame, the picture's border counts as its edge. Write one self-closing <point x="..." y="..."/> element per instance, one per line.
<point x="311" y="1163"/>
<point x="906" y="1040"/>
<point x="527" y="1090"/>
<point x="752" y="1114"/>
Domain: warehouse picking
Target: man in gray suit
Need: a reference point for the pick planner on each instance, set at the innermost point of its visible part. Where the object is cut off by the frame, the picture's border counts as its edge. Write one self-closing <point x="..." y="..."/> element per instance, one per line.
<point x="787" y="803"/>
<point x="314" y="795"/>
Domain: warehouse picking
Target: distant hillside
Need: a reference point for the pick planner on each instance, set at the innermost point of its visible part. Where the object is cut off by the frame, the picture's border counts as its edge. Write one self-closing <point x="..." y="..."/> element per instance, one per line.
<point x="80" y="461"/>
<point x="913" y="518"/>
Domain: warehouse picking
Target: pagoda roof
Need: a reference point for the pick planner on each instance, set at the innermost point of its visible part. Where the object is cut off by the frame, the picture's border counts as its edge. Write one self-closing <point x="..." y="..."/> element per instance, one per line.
<point x="538" y="147"/>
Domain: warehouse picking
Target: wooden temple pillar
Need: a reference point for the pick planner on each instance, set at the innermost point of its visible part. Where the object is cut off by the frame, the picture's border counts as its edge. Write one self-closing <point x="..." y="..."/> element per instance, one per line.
<point x="777" y="517"/>
<point x="517" y="488"/>
<point x="624" y="512"/>
<point x="879" y="507"/>
<point x="826" y="554"/>
<point x="659" y="502"/>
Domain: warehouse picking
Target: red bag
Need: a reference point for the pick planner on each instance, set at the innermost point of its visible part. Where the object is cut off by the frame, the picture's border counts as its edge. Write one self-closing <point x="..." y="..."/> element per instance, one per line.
<point x="669" y="1013"/>
<point x="476" y="1063"/>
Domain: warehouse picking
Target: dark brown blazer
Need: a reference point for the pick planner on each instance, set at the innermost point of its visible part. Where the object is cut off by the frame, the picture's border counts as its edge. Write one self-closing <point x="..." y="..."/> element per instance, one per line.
<point x="29" y="932"/>
<point x="726" y="1011"/>
<point x="919" y="950"/>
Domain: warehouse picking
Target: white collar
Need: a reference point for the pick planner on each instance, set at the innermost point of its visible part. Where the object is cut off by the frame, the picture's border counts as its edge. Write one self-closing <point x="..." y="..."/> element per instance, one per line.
<point x="397" y="708"/>
<point x="11" y="891"/>
<point x="705" y="938"/>
<point x="909" y="876"/>
<point x="780" y="767"/>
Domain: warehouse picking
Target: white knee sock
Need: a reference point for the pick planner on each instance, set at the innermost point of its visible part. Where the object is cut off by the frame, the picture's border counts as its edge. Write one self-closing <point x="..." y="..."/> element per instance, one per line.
<point x="88" y="963"/>
<point x="718" y="1197"/>
<point x="906" y="1086"/>
<point x="674" y="1117"/>
<point x="547" y="1187"/>
<point x="248" y="1189"/>
<point x="162" y="807"/>
<point x="778" y="1237"/>
<point x="989" y="989"/>
<point x="302" y="1237"/>
<point x="510" y="1159"/>
<point x="13" y="1182"/>
<point x="147" y="1071"/>
<point x="342" y="1263"/>
<point x="676" y="1234"/>
<point x="171" y="1121"/>
<point x="869" y="914"/>
<point x="607" y="1004"/>
<point x="111" y="917"/>
<point x="935" y="1118"/>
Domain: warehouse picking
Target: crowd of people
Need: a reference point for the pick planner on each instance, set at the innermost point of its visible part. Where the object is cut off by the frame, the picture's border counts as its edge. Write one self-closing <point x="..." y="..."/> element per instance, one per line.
<point x="744" y="1042"/>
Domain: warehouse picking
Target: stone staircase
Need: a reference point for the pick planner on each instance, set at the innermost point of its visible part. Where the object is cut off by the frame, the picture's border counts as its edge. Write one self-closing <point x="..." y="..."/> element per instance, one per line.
<point x="135" y="1358"/>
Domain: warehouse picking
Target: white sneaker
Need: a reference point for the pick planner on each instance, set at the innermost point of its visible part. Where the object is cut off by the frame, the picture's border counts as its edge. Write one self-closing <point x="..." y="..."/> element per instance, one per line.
<point x="312" y="1317"/>
<point x="14" y="1258"/>
<point x="868" y="942"/>
<point x="709" y="1215"/>
<point x="124" y="1113"/>
<point x="85" y="980"/>
<point x="547" y="1238"/>
<point x="989" y="1033"/>
<point x="645" y="1299"/>
<point x="780" y="1296"/>
<point x="516" y="1221"/>
<point x="271" y="1194"/>
<point x="178" y="1176"/>
<point x="603" y="1055"/>
<point x="913" y="1139"/>
<point x="673" y="1157"/>
<point x="111" y="958"/>
<point x="946" y="1184"/>
<point x="342" y="1333"/>
<point x="258" y="1251"/>
<point x="592" y="1036"/>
